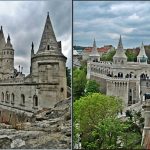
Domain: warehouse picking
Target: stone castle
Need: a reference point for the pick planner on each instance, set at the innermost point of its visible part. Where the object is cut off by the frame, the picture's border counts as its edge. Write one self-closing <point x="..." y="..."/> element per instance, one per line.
<point x="127" y="80"/>
<point x="45" y="85"/>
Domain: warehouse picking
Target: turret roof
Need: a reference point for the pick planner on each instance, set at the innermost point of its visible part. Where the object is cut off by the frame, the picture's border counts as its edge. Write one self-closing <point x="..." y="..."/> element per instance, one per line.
<point x="48" y="40"/>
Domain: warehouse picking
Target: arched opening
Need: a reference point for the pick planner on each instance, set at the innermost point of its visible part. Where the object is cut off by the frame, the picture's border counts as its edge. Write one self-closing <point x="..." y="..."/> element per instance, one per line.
<point x="62" y="89"/>
<point x="35" y="101"/>
<point x="48" y="47"/>
<point x="7" y="97"/>
<point x="22" y="99"/>
<point x="12" y="98"/>
<point x="143" y="76"/>
<point x="2" y="97"/>
<point x="120" y="75"/>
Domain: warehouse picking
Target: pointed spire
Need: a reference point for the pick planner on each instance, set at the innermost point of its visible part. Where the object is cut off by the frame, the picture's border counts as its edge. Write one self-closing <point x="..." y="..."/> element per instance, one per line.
<point x="94" y="43"/>
<point x="142" y="57"/>
<point x="32" y="50"/>
<point x="2" y="39"/>
<point x="120" y="45"/>
<point x="8" y="44"/>
<point x="120" y="54"/>
<point x="32" y="46"/>
<point x="47" y="14"/>
<point x="94" y="51"/>
<point x="8" y="39"/>
<point x="48" y="40"/>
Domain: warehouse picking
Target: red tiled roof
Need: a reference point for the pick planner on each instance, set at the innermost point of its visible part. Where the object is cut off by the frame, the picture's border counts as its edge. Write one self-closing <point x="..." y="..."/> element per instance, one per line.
<point x="102" y="49"/>
<point x="88" y="49"/>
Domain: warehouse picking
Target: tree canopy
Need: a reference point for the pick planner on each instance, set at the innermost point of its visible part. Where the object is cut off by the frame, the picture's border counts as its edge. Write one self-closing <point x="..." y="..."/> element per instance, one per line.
<point x="93" y="108"/>
<point x="68" y="74"/>
<point x="108" y="56"/>
<point x="92" y="87"/>
<point x="79" y="82"/>
<point x="96" y="121"/>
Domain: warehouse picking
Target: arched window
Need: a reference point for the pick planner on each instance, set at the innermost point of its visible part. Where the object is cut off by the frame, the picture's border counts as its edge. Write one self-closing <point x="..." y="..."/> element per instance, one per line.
<point x="120" y="75"/>
<point x="12" y="98"/>
<point x="2" y="97"/>
<point x="7" y="97"/>
<point x="35" y="101"/>
<point x="22" y="100"/>
<point x="48" y="48"/>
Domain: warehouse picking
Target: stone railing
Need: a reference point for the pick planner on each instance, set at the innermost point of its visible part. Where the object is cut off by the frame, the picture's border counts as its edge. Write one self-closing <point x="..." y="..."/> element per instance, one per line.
<point x="110" y="78"/>
<point x="15" y="80"/>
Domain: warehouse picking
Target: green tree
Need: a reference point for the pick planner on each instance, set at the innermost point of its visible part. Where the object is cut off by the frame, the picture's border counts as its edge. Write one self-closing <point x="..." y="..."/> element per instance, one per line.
<point x="131" y="56"/>
<point x="91" y="109"/>
<point x="96" y="120"/>
<point x="106" y="134"/>
<point x="68" y="75"/>
<point x="79" y="82"/>
<point x="92" y="87"/>
<point x="108" y="56"/>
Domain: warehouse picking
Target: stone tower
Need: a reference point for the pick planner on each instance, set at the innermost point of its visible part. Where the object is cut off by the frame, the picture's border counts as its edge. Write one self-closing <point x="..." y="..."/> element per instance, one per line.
<point x="8" y="60"/>
<point x="142" y="57"/>
<point x="94" y="55"/>
<point x="2" y="45"/>
<point x="120" y="57"/>
<point x="48" y="65"/>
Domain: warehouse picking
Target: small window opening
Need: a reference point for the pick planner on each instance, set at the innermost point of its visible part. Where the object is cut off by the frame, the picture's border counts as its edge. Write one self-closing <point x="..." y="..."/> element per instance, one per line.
<point x="48" y="47"/>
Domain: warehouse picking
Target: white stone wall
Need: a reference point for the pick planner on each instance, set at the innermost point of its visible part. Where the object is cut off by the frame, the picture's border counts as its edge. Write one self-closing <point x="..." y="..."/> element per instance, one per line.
<point x="118" y="88"/>
<point x="48" y="96"/>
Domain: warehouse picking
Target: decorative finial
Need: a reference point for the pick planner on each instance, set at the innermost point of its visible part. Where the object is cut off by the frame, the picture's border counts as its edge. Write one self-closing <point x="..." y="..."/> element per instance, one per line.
<point x="19" y="68"/>
<point x="32" y="46"/>
<point x="48" y="13"/>
<point x="94" y="43"/>
<point x="120" y="45"/>
<point x="8" y="39"/>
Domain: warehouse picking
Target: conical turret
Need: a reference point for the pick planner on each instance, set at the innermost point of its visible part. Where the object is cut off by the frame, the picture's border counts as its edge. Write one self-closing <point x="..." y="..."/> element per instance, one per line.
<point x="8" y="59"/>
<point x="94" y="55"/>
<point x="48" y="40"/>
<point x="120" y="56"/>
<point x="2" y="39"/>
<point x="142" y="57"/>
<point x="8" y="44"/>
<point x="120" y="45"/>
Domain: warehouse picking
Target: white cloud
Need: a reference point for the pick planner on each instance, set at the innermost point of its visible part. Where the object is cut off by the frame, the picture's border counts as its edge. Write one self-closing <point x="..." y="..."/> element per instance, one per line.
<point x="25" y="24"/>
<point x="134" y="17"/>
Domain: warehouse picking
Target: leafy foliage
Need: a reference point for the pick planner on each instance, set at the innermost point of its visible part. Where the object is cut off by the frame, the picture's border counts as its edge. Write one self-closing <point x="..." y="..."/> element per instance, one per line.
<point x="91" y="109"/>
<point x="95" y="119"/>
<point x="92" y="87"/>
<point x="68" y="74"/>
<point x="79" y="82"/>
<point x="107" y="134"/>
<point x="131" y="56"/>
<point x="108" y="56"/>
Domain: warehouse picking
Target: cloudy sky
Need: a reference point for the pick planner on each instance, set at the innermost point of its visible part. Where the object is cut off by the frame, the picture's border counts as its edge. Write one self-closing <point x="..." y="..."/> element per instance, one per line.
<point x="25" y="20"/>
<point x="107" y="20"/>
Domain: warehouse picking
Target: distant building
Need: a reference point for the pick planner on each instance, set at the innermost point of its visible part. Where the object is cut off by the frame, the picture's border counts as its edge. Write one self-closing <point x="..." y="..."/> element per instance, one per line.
<point x="102" y="50"/>
<point x="120" y="77"/>
<point x="76" y="58"/>
<point x="129" y="81"/>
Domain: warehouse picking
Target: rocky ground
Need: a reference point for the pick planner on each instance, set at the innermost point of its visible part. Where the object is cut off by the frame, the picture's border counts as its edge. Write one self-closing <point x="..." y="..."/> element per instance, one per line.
<point x="51" y="130"/>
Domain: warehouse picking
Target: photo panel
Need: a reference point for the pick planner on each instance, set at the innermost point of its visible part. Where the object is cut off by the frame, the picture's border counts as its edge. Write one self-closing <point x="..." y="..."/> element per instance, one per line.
<point x="111" y="70"/>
